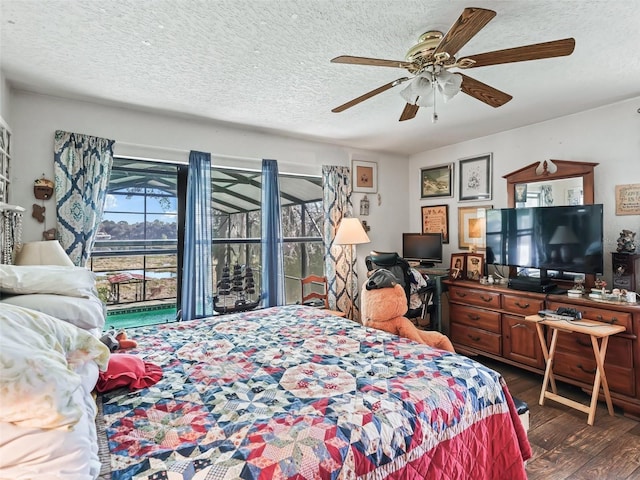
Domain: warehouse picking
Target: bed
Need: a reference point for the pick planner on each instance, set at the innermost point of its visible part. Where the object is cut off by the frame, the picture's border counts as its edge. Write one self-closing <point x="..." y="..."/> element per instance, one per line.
<point x="296" y="393"/>
<point x="50" y="357"/>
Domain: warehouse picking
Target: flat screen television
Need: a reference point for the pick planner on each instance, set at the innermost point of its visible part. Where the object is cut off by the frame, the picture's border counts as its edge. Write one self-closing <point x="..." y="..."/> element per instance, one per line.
<point x="564" y="238"/>
<point x="425" y="248"/>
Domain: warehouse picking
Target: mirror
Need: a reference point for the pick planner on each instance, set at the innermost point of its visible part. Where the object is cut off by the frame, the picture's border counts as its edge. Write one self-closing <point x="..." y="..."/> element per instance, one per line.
<point x="552" y="182"/>
<point x="566" y="191"/>
<point x="559" y="181"/>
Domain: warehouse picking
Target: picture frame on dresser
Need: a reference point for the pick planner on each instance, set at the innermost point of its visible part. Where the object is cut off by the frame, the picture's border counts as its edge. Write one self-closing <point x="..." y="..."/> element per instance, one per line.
<point x="457" y="266"/>
<point x="474" y="266"/>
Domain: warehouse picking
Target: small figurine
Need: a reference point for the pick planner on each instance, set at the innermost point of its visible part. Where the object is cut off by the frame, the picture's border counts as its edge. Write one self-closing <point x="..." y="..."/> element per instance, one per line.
<point x="626" y="242"/>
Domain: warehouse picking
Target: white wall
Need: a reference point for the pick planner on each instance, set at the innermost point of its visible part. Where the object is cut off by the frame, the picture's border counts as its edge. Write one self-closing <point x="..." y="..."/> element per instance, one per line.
<point x="36" y="117"/>
<point x="4" y="99"/>
<point x="609" y="136"/>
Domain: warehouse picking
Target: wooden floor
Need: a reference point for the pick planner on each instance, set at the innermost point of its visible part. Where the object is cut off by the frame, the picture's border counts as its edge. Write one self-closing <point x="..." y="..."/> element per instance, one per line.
<point x="564" y="446"/>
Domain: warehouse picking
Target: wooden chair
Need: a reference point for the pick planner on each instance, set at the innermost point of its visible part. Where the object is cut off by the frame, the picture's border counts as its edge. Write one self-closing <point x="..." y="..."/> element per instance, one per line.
<point x="310" y="296"/>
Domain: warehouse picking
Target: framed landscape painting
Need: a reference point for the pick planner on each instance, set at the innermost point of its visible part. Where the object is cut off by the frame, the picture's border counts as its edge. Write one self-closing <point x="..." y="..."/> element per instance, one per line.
<point x="437" y="181"/>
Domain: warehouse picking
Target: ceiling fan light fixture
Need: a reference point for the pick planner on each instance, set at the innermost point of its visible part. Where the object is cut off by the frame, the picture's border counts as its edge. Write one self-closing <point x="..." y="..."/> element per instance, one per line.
<point x="419" y="91"/>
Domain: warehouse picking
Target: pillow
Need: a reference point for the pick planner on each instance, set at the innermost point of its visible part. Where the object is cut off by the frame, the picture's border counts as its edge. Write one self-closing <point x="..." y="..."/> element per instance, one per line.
<point x="85" y="313"/>
<point x="127" y="370"/>
<point x="71" y="281"/>
<point x="38" y="355"/>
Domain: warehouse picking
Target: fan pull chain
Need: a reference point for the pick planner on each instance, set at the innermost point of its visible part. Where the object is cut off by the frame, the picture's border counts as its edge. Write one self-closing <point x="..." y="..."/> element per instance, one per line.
<point x="434" y="87"/>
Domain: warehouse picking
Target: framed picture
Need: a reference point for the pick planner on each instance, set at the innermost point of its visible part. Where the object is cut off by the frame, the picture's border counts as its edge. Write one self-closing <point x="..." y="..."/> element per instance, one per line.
<point x="574" y="196"/>
<point x="472" y="225"/>
<point x="628" y="199"/>
<point x="364" y="176"/>
<point x="457" y="267"/>
<point x="436" y="181"/>
<point x="475" y="178"/>
<point x="435" y="219"/>
<point x="521" y="193"/>
<point x="475" y="266"/>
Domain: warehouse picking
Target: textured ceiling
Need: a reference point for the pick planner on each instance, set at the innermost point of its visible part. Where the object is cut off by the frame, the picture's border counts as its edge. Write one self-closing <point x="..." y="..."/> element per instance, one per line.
<point x="265" y="64"/>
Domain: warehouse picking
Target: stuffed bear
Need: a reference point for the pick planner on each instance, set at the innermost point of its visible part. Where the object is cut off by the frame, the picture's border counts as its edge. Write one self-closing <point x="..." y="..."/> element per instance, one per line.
<point x="384" y="302"/>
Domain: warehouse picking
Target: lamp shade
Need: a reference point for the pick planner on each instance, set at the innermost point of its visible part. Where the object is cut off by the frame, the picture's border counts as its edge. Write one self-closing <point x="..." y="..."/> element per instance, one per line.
<point x="563" y="235"/>
<point x="46" y="252"/>
<point x="350" y="232"/>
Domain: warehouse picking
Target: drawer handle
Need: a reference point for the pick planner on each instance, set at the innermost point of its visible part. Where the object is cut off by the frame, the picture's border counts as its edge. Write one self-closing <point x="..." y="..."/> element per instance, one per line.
<point x="518" y="304"/>
<point x="486" y="299"/>
<point x="475" y="339"/>
<point x="461" y="294"/>
<point x="600" y="318"/>
<point x="519" y="325"/>
<point x="585" y="370"/>
<point x="473" y="317"/>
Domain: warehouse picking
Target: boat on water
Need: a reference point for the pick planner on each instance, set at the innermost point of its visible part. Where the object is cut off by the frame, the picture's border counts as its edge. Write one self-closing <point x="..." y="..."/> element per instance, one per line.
<point x="236" y="290"/>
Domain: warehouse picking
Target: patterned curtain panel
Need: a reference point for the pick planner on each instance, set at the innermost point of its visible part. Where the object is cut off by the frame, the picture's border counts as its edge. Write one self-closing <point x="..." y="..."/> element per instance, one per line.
<point x="336" y="186"/>
<point x="82" y="165"/>
<point x="272" y="243"/>
<point x="197" y="286"/>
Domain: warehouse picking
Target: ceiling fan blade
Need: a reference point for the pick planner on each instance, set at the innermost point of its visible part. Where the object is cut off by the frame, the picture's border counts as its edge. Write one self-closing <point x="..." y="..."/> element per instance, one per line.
<point x="556" y="48"/>
<point x="376" y="62"/>
<point x="370" y="94"/>
<point x="409" y="112"/>
<point x="483" y="92"/>
<point x="470" y="22"/>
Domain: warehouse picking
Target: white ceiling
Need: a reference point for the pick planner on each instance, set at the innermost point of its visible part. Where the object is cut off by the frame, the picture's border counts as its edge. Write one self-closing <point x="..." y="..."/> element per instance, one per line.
<point x="265" y="64"/>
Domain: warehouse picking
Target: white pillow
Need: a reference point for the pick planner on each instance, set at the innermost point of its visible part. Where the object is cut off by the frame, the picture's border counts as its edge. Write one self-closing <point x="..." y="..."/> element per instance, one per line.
<point x="85" y="313"/>
<point x="72" y="281"/>
<point x="38" y="356"/>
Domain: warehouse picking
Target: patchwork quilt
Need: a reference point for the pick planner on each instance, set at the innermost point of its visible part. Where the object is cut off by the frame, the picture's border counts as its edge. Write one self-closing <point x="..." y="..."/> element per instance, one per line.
<point x="296" y="393"/>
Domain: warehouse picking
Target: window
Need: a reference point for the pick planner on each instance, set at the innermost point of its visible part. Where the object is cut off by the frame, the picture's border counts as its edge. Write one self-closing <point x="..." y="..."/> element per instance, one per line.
<point x="237" y="224"/>
<point x="136" y="252"/>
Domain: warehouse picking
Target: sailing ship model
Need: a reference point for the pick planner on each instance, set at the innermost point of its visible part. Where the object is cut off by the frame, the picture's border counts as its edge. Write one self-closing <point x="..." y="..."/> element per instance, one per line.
<point x="236" y="291"/>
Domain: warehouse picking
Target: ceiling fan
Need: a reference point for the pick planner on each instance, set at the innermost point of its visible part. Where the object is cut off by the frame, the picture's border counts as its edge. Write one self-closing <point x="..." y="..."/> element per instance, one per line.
<point x="430" y="60"/>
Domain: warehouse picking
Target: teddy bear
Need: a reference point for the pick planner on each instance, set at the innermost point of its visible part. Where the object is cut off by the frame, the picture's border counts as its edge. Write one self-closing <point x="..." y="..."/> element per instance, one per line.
<point x="384" y="302"/>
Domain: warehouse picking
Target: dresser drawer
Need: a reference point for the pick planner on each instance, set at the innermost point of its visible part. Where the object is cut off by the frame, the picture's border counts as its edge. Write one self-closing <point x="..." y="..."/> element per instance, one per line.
<point x="481" y="298"/>
<point x="475" y="317"/>
<point x="599" y="314"/>
<point x="619" y="351"/>
<point x="478" y="339"/>
<point x="620" y="380"/>
<point x="522" y="305"/>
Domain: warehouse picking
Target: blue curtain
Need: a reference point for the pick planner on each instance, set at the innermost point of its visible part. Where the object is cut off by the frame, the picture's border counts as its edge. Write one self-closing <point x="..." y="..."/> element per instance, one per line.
<point x="197" y="288"/>
<point x="81" y="165"/>
<point x="272" y="254"/>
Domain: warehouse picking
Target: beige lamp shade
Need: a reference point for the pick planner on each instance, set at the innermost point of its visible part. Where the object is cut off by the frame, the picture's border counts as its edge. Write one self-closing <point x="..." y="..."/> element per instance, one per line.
<point x="47" y="252"/>
<point x="350" y="232"/>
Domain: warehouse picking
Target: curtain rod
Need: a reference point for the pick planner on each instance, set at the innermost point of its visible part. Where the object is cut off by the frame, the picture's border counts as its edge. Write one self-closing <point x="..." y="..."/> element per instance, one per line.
<point x="182" y="150"/>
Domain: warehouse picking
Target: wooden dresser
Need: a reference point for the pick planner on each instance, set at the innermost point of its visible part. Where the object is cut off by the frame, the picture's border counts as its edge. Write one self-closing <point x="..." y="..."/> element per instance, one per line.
<point x="489" y="320"/>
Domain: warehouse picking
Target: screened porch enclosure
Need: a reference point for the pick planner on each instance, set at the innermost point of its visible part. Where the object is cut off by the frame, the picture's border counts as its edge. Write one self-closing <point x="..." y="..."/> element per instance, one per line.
<point x="137" y="250"/>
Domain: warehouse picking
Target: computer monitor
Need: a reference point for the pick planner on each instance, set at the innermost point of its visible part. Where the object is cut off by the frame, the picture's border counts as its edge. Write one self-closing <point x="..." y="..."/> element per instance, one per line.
<point x="425" y="248"/>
